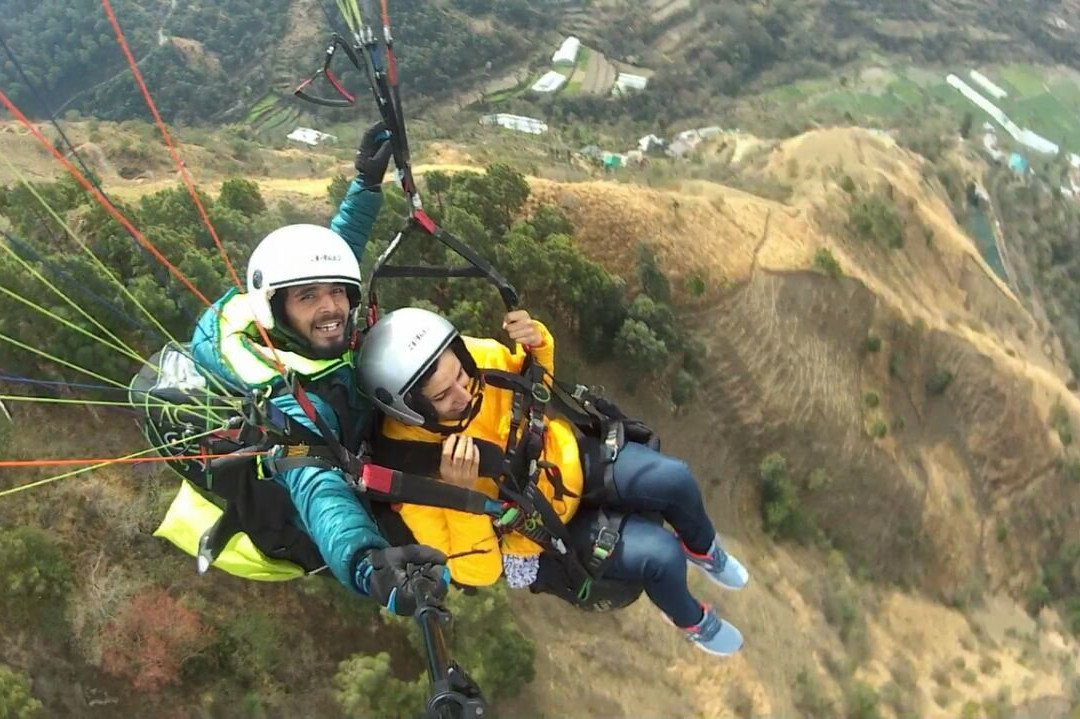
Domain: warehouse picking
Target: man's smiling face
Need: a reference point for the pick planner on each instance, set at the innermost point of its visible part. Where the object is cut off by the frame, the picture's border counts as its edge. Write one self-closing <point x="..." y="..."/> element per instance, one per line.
<point x="319" y="313"/>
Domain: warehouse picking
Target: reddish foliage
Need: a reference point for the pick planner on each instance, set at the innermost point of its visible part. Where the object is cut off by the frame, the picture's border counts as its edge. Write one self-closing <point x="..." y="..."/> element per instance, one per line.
<point x="150" y="638"/>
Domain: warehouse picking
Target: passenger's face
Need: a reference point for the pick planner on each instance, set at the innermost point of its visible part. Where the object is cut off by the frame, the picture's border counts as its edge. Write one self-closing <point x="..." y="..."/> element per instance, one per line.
<point x="448" y="388"/>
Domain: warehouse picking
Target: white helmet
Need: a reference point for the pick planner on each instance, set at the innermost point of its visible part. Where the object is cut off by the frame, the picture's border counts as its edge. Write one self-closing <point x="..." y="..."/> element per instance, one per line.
<point x="297" y="255"/>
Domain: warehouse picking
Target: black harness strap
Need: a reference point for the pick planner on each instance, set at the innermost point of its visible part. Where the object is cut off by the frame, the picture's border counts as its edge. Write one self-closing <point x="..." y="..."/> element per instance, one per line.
<point x="423" y="458"/>
<point x="393" y="485"/>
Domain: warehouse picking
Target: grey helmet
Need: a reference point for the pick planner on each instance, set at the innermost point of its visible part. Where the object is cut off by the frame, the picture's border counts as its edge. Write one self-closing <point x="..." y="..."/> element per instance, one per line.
<point x="395" y="354"/>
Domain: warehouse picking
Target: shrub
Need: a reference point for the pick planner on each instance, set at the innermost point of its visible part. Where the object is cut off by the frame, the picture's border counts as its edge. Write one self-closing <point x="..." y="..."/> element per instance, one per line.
<point x="878" y="429"/>
<point x="16" y="700"/>
<point x="683" y="388"/>
<point x="824" y="261"/>
<point x="150" y="639"/>
<point x="653" y="281"/>
<point x="875" y="219"/>
<point x="780" y="511"/>
<point x="1060" y="421"/>
<point x="695" y="285"/>
<point x="896" y="364"/>
<point x="862" y="701"/>
<point x="847" y="184"/>
<point x="254" y="641"/>
<point x="1038" y="596"/>
<point x="1072" y="470"/>
<point x="819" y="480"/>
<point x="34" y="578"/>
<point x="871" y="344"/>
<point x="810" y="699"/>
<point x="1072" y="615"/>
<point x="365" y="686"/>
<point x="871" y="399"/>
<point x="939" y="381"/>
<point x="486" y="641"/>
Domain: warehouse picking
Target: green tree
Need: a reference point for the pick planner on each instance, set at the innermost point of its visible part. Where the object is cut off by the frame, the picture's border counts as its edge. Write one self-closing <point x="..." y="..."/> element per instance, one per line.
<point x="16" y="700"/>
<point x="438" y="184"/>
<point x="653" y="281"/>
<point x="508" y="191"/>
<point x="486" y="640"/>
<point x="335" y="191"/>
<point x="34" y="578"/>
<point x="683" y="388"/>
<point x="243" y="196"/>
<point x="366" y="687"/>
<point x="550" y="220"/>
<point x="640" y="347"/>
<point x="659" y="318"/>
<point x="781" y="514"/>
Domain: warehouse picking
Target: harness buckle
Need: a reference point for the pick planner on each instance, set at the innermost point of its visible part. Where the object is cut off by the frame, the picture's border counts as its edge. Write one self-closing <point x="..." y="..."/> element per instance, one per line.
<point x="604" y="544"/>
<point x="606" y="539"/>
<point x="611" y="443"/>
<point x="541" y="393"/>
<point x="511" y="518"/>
<point x="297" y="450"/>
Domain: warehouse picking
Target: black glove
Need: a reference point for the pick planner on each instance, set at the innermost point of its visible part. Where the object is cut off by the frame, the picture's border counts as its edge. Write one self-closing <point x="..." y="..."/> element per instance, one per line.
<point x="373" y="156"/>
<point x="401" y="578"/>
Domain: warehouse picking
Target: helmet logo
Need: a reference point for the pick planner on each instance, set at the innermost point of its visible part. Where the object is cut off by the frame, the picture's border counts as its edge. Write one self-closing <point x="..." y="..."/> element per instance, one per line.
<point x="416" y="338"/>
<point x="326" y="258"/>
<point x="257" y="279"/>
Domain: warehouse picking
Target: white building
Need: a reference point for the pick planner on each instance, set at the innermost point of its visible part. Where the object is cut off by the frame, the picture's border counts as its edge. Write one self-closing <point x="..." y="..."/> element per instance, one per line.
<point x="550" y="82"/>
<point x="649" y="142"/>
<point x="1023" y="135"/>
<point x="568" y="51"/>
<point x="990" y="142"/>
<point x="989" y="85"/>
<point x="1037" y="142"/>
<point x="519" y="123"/>
<point x="311" y="137"/>
<point x="627" y="82"/>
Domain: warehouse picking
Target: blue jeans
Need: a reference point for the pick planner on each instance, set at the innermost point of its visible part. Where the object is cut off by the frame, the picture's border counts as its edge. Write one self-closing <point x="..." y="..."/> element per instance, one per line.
<point x="649" y="481"/>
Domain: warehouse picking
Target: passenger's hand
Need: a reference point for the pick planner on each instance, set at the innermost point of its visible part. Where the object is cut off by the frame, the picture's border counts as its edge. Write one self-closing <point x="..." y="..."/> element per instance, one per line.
<point x="522" y="328"/>
<point x="460" y="463"/>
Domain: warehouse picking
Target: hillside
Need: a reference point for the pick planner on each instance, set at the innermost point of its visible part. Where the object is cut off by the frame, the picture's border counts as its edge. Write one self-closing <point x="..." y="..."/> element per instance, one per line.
<point x="965" y="500"/>
<point x="240" y="63"/>
<point x="928" y="538"/>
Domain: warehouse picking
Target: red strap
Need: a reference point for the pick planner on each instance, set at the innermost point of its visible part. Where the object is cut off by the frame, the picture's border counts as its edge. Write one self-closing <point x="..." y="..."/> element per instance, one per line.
<point x="377" y="479"/>
<point x="425" y="221"/>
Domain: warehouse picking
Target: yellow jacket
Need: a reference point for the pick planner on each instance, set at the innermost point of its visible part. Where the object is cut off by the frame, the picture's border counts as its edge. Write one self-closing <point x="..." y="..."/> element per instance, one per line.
<point x="452" y="531"/>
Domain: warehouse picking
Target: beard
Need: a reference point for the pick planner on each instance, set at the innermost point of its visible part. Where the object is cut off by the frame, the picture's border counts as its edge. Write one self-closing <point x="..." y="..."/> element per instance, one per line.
<point x="330" y="350"/>
<point x="324" y="347"/>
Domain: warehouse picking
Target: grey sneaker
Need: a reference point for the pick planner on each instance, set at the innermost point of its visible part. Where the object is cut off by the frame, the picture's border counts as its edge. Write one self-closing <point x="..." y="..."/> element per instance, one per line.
<point x="719" y="566"/>
<point x="715" y="636"/>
